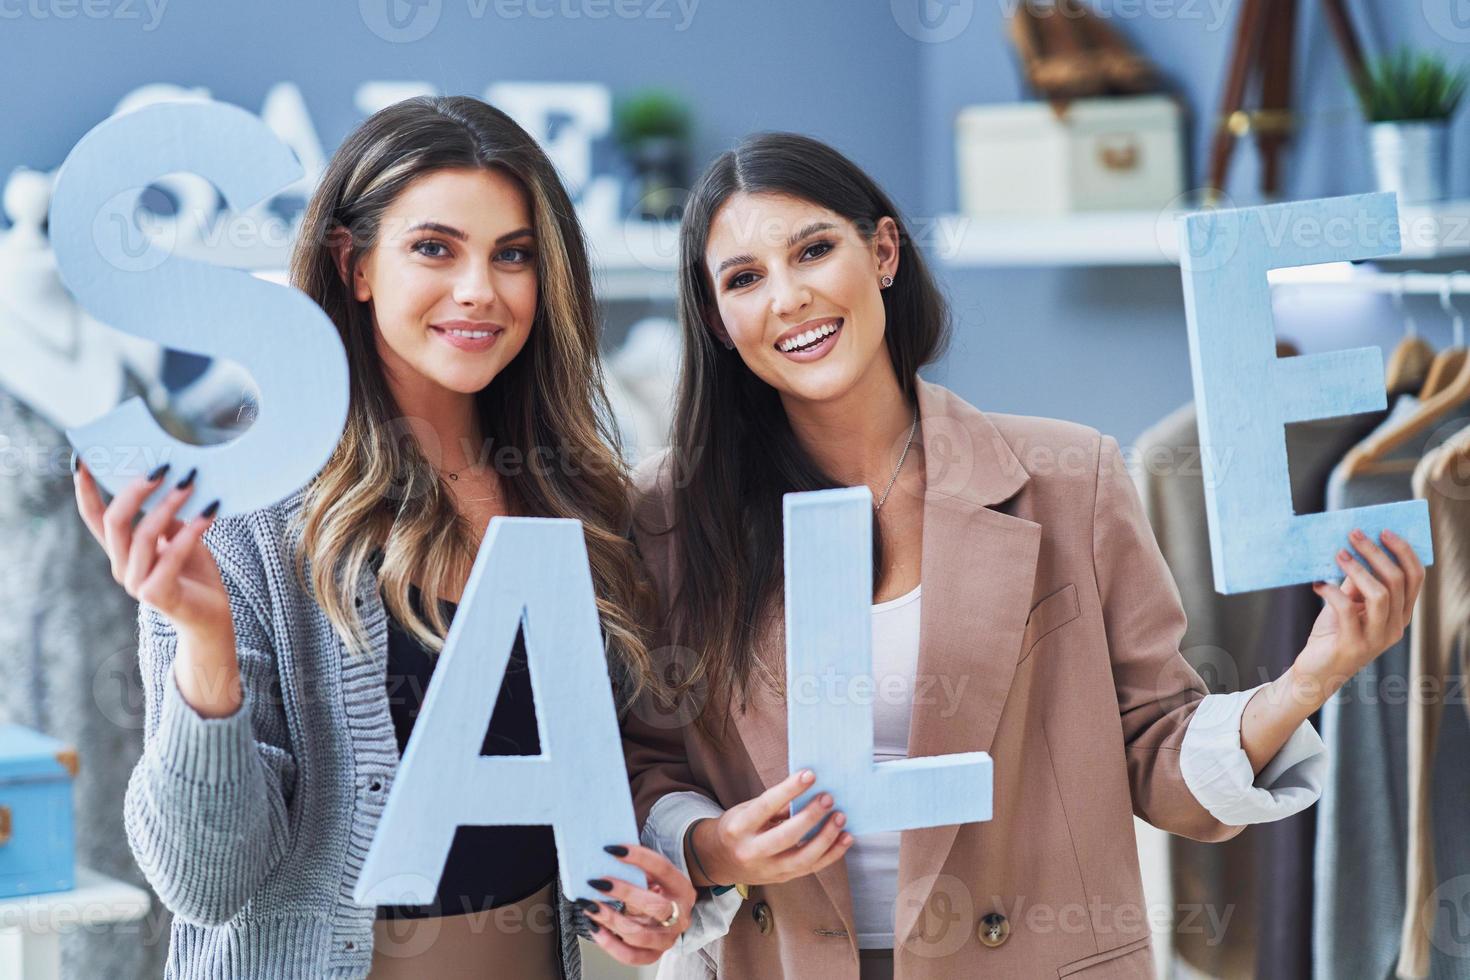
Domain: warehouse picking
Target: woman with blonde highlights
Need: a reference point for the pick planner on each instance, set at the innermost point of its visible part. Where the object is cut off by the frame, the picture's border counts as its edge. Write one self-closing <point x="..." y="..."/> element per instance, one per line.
<point x="285" y="651"/>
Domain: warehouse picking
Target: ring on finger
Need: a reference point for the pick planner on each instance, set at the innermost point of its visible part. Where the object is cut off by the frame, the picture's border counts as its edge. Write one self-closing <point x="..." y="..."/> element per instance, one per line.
<point x="673" y="916"/>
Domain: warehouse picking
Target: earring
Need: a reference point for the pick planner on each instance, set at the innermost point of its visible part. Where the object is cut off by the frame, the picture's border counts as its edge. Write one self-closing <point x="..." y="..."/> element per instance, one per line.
<point x="886" y="281"/>
<point x="729" y="344"/>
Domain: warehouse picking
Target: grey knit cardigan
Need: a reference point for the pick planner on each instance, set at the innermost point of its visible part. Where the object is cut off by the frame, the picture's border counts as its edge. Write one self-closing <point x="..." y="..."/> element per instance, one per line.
<point x="253" y="828"/>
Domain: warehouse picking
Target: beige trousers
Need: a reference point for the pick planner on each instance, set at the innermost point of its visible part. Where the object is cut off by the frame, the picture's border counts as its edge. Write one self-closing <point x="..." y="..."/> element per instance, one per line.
<point x="514" y="942"/>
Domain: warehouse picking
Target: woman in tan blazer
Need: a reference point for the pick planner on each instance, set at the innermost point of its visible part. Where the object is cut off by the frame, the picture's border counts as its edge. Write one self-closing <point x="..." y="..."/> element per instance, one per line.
<point x="1021" y="608"/>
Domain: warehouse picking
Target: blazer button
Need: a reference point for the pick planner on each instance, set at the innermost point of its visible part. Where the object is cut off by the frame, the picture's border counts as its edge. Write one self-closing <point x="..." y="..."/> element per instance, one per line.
<point x="994" y="928"/>
<point x="764" y="920"/>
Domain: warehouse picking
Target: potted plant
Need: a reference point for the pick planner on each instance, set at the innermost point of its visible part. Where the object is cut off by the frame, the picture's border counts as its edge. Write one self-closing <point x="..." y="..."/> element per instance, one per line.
<point x="652" y="128"/>
<point x="1408" y="99"/>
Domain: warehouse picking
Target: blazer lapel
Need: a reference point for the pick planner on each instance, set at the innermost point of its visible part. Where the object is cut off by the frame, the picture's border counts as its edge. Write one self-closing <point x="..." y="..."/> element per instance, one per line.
<point x="978" y="572"/>
<point x="762" y="730"/>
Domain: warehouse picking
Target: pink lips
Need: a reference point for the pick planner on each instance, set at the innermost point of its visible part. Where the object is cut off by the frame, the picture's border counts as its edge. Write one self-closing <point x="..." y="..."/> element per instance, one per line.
<point x="821" y="349"/>
<point x="471" y="344"/>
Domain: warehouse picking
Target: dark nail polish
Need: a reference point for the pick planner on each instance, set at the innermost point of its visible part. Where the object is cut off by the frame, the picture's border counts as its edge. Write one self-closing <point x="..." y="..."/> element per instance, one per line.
<point x="616" y="850"/>
<point x="601" y="884"/>
<point x="587" y="905"/>
<point x="209" y="511"/>
<point x="592" y="925"/>
<point x="154" y="476"/>
<point x="188" y="479"/>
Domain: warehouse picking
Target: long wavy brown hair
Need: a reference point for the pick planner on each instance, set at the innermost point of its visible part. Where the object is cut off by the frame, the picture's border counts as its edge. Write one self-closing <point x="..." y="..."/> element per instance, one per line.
<point x="378" y="492"/>
<point x="734" y="453"/>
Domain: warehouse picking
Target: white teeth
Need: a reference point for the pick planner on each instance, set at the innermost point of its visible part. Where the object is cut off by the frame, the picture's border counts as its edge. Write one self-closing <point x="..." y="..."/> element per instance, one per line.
<point x="472" y="334"/>
<point x="808" y="337"/>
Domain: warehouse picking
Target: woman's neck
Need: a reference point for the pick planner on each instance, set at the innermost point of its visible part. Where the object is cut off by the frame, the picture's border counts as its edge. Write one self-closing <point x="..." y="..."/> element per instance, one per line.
<point x="856" y="438"/>
<point x="445" y="423"/>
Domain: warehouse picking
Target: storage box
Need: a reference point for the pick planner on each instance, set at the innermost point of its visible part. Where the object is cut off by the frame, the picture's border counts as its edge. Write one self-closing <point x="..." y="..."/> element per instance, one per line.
<point x="1108" y="154"/>
<point x="36" y="819"/>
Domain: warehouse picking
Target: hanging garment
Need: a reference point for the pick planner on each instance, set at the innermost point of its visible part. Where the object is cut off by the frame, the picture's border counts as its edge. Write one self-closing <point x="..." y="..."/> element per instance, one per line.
<point x="640" y="378"/>
<point x="1362" y="817"/>
<point x="68" y="648"/>
<point x="1439" y="648"/>
<point x="1241" y="907"/>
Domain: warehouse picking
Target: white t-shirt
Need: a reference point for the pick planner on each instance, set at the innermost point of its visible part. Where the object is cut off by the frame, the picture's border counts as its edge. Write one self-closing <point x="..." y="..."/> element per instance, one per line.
<point x="872" y="861"/>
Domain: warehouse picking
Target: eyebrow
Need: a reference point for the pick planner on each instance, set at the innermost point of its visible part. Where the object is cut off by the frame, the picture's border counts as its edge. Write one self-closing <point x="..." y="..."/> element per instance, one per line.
<point x="806" y="232"/>
<point x="456" y="233"/>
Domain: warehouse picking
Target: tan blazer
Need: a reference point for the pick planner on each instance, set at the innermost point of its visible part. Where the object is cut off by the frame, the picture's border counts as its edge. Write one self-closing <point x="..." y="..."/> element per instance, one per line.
<point x="1049" y="638"/>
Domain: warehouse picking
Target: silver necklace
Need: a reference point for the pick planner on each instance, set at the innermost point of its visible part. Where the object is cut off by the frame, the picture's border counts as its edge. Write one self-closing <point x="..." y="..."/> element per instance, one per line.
<point x="903" y="456"/>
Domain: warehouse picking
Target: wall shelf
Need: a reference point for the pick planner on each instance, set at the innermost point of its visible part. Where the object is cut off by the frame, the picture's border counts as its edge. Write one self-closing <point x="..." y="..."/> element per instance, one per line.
<point x="1146" y="238"/>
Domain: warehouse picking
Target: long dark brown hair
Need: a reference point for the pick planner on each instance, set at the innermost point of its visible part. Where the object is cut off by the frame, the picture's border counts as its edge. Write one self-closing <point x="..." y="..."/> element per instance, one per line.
<point x="378" y="492"/>
<point x="734" y="453"/>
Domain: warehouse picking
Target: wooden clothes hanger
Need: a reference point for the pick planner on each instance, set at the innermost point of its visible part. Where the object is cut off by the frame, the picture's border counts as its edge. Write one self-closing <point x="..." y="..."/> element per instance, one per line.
<point x="1449" y="361"/>
<point x="1408" y="365"/>
<point x="1369" y="456"/>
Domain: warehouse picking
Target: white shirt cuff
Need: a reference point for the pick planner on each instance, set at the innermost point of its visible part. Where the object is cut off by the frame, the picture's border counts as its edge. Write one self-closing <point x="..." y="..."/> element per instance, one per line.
<point x="668" y="821"/>
<point x="1218" y="772"/>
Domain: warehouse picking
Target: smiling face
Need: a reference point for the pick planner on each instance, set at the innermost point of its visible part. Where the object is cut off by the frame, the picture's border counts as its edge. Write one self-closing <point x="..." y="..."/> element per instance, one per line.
<point x="797" y="289"/>
<point x="452" y="279"/>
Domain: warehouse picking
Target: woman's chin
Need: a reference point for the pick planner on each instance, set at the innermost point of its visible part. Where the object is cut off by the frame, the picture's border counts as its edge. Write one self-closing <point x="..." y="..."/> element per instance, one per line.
<point x="465" y="382"/>
<point x="822" y="381"/>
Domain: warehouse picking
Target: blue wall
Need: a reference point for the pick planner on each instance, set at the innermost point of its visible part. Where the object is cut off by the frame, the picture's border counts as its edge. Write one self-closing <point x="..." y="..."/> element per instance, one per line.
<point x="825" y="69"/>
<point x="1103" y="346"/>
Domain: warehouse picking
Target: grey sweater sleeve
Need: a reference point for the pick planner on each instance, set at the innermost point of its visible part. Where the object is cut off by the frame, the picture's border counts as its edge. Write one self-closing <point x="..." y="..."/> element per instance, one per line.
<point x="206" y="808"/>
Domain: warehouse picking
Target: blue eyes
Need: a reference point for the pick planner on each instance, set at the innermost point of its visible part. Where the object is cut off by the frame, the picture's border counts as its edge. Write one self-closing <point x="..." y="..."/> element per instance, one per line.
<point x="515" y="254"/>
<point x="815" y="250"/>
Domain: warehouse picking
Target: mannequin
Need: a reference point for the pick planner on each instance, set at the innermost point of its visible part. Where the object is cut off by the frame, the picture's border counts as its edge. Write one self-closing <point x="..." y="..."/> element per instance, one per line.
<point x="52" y="355"/>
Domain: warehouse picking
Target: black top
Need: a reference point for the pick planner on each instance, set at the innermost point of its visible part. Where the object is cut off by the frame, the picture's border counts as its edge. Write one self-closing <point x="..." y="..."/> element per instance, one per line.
<point x="487" y="866"/>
